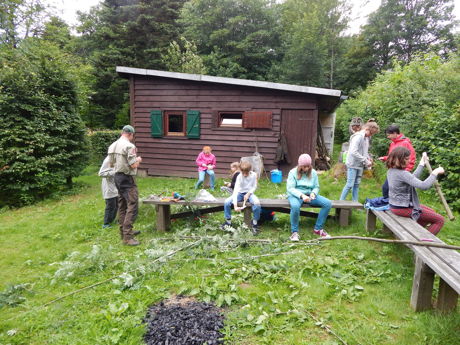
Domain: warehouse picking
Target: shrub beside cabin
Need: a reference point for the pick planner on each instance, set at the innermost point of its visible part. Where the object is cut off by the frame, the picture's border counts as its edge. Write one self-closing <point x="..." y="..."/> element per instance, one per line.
<point x="176" y="114"/>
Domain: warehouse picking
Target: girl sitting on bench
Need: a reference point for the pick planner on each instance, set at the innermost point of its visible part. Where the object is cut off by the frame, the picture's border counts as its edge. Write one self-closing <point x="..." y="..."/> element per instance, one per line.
<point x="403" y="196"/>
<point x="206" y="163"/>
<point x="303" y="187"/>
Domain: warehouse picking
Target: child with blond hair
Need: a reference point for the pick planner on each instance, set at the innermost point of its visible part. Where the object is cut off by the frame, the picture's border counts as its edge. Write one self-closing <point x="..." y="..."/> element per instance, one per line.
<point x="234" y="172"/>
<point x="245" y="186"/>
<point x="206" y="163"/>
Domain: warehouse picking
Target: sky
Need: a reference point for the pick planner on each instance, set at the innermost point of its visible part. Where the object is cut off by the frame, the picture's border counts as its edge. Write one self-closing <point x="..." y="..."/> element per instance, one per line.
<point x="67" y="10"/>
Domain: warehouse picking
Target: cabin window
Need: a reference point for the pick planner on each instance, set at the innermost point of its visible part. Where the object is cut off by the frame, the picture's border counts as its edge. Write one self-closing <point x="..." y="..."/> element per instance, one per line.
<point x="231" y="119"/>
<point x="174" y="123"/>
<point x="245" y="119"/>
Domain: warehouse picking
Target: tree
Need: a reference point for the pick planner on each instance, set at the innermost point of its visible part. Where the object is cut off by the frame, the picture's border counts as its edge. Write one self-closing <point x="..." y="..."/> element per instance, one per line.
<point x="43" y="138"/>
<point x="124" y="32"/>
<point x="237" y="38"/>
<point x="311" y="40"/>
<point x="20" y="19"/>
<point x="401" y="29"/>
<point x="183" y="59"/>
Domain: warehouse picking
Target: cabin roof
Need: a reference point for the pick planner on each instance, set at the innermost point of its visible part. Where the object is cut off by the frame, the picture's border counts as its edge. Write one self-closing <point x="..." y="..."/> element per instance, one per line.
<point x="123" y="71"/>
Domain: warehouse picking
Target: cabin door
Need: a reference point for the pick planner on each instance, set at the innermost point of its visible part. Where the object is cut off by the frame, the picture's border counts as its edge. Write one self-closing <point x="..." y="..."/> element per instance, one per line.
<point x="299" y="127"/>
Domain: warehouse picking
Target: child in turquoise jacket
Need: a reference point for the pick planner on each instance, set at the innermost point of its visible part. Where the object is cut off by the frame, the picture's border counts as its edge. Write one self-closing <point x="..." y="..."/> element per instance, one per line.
<point x="303" y="188"/>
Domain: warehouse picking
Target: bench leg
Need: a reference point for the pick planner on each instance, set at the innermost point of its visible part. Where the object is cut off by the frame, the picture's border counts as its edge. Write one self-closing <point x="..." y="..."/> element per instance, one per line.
<point x="247" y="212"/>
<point x="343" y="216"/>
<point x="422" y="286"/>
<point x="163" y="217"/>
<point x="447" y="297"/>
<point x="371" y="221"/>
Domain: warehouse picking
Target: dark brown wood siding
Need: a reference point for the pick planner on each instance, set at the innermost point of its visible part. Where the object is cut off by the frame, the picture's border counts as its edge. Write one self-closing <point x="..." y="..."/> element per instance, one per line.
<point x="175" y="156"/>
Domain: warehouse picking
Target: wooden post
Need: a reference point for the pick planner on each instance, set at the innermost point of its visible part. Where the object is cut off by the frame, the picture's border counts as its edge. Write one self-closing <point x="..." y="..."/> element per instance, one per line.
<point x="163" y="217"/>
<point x="422" y="286"/>
<point x="447" y="297"/>
<point x="247" y="211"/>
<point x="343" y="215"/>
<point x="371" y="221"/>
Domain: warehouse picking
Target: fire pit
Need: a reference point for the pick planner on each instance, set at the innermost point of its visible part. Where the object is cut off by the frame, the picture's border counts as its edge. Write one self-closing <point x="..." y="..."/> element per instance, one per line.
<point x="183" y="321"/>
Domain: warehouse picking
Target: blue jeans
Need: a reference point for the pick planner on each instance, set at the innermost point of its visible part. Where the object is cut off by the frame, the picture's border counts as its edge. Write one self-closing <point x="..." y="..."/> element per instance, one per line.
<point x="353" y="180"/>
<point x="202" y="174"/>
<point x="320" y="201"/>
<point x="252" y="199"/>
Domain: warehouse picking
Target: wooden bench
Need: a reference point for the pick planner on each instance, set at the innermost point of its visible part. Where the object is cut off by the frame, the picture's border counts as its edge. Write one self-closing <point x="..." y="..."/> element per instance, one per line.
<point x="428" y="262"/>
<point x="342" y="214"/>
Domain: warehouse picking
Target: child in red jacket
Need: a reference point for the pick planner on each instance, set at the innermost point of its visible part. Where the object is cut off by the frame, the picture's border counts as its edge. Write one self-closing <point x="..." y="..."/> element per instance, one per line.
<point x="397" y="139"/>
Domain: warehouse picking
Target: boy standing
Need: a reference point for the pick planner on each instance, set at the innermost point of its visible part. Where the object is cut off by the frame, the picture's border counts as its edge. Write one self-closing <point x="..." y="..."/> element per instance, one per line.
<point x="109" y="192"/>
<point x="245" y="186"/>
<point x="397" y="139"/>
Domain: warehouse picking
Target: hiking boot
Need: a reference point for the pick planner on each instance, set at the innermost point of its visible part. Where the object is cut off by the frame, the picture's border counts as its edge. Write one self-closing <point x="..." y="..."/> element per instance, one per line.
<point x="321" y="233"/>
<point x="131" y="242"/>
<point x="255" y="229"/>
<point x="294" y="237"/>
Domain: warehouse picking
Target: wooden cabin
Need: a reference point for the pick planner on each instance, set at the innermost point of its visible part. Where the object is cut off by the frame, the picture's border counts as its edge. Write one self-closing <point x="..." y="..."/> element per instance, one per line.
<point x="176" y="114"/>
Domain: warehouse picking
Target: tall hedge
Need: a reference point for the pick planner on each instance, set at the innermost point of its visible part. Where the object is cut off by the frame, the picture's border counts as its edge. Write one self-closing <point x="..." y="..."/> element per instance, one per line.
<point x="43" y="140"/>
<point x="100" y="142"/>
<point x="423" y="98"/>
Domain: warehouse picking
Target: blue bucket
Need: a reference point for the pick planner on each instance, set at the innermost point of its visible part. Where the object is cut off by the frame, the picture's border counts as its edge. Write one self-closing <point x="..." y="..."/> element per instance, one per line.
<point x="276" y="176"/>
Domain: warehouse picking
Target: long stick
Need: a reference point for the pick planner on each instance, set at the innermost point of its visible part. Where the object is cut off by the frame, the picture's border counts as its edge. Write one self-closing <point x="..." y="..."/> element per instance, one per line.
<point x="441" y="195"/>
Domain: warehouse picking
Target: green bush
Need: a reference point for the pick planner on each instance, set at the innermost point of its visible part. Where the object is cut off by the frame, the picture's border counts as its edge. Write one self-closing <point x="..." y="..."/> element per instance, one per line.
<point x="43" y="141"/>
<point x="423" y="98"/>
<point x="100" y="142"/>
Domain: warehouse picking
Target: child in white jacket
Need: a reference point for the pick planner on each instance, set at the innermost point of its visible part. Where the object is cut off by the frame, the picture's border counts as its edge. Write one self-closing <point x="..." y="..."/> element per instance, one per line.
<point x="109" y="192"/>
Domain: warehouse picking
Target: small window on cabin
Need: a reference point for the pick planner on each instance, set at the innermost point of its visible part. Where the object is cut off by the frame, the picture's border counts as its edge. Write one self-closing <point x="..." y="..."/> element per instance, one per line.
<point x="175" y="123"/>
<point x="231" y="119"/>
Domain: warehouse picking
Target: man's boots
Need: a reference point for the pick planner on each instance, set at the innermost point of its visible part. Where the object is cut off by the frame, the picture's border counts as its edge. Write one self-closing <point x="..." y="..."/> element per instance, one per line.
<point x="131" y="242"/>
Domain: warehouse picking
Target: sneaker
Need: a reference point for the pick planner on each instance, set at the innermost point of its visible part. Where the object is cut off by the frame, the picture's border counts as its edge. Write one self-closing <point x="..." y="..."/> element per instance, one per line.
<point x="255" y="229"/>
<point x="294" y="237"/>
<point x="131" y="242"/>
<point x="137" y="232"/>
<point x="321" y="233"/>
<point x="226" y="226"/>
<point x="105" y="226"/>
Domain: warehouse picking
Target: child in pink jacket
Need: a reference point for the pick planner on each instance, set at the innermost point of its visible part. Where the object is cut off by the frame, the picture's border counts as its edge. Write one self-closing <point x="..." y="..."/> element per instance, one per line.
<point x="206" y="163"/>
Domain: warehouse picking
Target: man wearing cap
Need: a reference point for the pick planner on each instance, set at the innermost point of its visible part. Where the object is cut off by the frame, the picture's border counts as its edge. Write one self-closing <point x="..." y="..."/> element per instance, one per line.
<point x="124" y="160"/>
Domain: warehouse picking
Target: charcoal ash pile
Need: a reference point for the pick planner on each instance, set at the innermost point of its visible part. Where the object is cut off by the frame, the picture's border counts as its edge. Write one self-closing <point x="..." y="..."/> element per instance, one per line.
<point x="183" y="321"/>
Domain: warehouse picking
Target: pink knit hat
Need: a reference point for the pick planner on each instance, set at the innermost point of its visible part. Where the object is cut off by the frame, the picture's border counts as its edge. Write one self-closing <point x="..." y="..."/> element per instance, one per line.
<point x="304" y="159"/>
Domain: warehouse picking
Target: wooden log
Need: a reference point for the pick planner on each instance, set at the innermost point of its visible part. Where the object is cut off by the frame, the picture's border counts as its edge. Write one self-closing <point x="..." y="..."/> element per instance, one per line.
<point x="422" y="286"/>
<point x="371" y="221"/>
<point x="163" y="217"/>
<point x="447" y="297"/>
<point x="343" y="216"/>
<point x="247" y="212"/>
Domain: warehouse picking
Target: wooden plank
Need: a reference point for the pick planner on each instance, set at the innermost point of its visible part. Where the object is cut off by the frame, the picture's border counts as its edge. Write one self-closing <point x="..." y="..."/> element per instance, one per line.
<point x="197" y="212"/>
<point x="247" y="213"/>
<point x="447" y="297"/>
<point x="422" y="286"/>
<point x="343" y="215"/>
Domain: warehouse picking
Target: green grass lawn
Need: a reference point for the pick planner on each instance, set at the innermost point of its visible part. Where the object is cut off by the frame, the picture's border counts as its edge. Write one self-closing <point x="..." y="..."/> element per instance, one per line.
<point x="338" y="291"/>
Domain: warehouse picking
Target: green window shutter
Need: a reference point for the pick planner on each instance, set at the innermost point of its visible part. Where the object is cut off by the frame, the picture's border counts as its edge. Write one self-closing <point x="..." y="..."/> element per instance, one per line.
<point x="156" y="123"/>
<point x="193" y="124"/>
